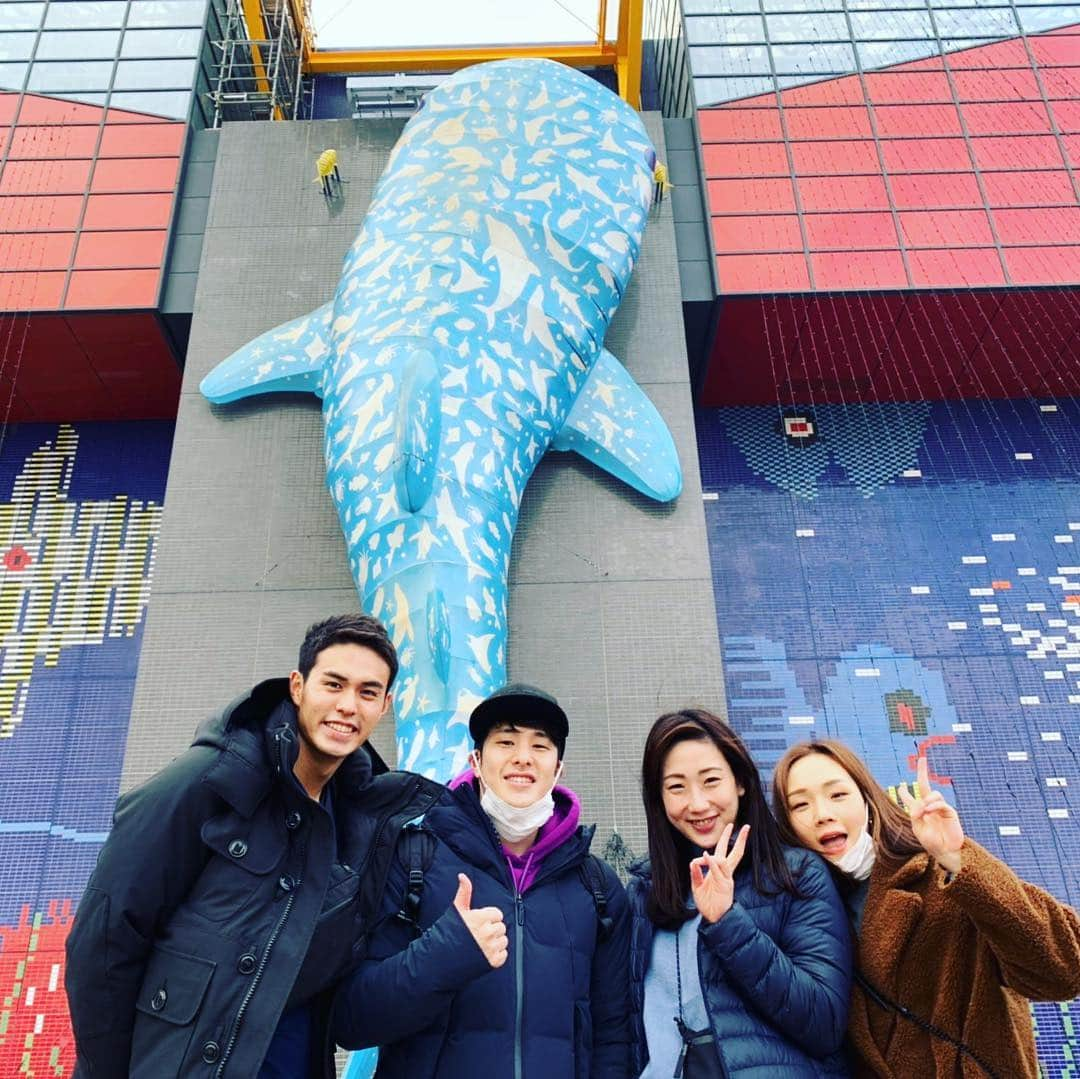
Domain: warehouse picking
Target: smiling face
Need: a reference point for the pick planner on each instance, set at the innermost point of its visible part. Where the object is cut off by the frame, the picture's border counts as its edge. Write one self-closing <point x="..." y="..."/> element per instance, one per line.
<point x="519" y="764"/>
<point x="825" y="806"/>
<point x="339" y="704"/>
<point x="700" y="792"/>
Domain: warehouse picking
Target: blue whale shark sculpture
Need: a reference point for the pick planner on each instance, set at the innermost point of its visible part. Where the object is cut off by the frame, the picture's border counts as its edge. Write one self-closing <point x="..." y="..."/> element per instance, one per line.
<point x="465" y="339"/>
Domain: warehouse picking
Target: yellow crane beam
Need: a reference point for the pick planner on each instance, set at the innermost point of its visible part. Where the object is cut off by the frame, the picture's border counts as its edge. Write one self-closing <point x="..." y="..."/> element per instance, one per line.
<point x="381" y="61"/>
<point x="624" y="54"/>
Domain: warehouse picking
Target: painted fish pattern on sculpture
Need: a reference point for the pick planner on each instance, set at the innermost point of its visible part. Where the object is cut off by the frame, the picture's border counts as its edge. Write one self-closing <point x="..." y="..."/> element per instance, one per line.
<point x="465" y="340"/>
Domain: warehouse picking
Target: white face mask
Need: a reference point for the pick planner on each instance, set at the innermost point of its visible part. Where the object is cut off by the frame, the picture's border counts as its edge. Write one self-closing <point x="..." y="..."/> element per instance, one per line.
<point x="515" y="823"/>
<point x="858" y="860"/>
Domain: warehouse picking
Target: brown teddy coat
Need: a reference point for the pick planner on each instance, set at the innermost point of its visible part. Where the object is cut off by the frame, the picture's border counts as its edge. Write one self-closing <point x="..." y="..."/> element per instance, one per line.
<point x="965" y="956"/>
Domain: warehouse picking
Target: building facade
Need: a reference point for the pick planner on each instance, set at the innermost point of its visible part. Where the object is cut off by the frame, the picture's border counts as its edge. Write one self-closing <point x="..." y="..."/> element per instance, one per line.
<point x="874" y="242"/>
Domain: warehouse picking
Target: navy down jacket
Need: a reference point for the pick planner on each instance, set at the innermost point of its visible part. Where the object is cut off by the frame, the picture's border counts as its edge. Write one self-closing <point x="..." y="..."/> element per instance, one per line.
<point x="775" y="975"/>
<point x="558" y="1008"/>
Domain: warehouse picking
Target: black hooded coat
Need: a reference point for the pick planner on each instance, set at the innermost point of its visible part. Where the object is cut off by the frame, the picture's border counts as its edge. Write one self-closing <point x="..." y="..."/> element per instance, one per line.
<point x="224" y="895"/>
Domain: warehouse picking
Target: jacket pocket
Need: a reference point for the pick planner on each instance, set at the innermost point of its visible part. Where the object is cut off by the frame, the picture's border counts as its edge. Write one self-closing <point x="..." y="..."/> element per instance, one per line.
<point x="168" y="1005"/>
<point x="243" y="855"/>
<point x="583" y="1046"/>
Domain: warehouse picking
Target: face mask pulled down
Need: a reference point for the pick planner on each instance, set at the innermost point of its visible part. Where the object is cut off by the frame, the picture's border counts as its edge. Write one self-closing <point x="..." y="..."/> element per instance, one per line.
<point x="515" y="823"/>
<point x="858" y="860"/>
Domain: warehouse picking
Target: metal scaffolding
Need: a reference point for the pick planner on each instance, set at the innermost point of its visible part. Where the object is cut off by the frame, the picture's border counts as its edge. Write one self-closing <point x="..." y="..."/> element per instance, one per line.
<point x="259" y="79"/>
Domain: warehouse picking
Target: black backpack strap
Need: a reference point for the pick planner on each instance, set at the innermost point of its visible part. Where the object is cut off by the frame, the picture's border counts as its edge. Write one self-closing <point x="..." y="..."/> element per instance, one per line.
<point x="416" y="850"/>
<point x="592" y="876"/>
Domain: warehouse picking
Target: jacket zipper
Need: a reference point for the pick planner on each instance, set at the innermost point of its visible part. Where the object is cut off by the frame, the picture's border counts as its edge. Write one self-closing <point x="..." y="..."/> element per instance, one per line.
<point x="282" y="740"/>
<point x="255" y="982"/>
<point x="519" y="939"/>
<point x="519" y="978"/>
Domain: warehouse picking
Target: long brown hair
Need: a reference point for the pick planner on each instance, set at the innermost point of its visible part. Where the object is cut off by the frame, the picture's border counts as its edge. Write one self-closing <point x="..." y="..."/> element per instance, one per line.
<point x="889" y="826"/>
<point x="670" y="852"/>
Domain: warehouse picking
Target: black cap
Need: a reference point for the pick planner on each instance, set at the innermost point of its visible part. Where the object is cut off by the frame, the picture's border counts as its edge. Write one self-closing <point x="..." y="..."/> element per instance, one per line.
<point x="523" y="706"/>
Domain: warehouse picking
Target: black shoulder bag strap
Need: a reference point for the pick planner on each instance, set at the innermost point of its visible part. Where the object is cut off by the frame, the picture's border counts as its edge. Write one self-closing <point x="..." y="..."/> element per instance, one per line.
<point x="888" y="1004"/>
<point x="592" y="877"/>
<point x="418" y="850"/>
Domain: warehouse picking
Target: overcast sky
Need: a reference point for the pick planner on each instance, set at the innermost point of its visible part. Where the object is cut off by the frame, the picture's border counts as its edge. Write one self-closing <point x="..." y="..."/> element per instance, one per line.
<point x="379" y="24"/>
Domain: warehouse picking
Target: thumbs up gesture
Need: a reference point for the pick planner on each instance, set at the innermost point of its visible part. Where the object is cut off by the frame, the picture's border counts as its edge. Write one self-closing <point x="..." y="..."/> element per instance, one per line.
<point x="486" y="924"/>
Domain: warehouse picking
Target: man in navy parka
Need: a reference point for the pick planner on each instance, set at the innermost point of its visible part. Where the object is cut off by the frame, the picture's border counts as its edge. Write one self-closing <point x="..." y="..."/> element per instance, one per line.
<point x="516" y="966"/>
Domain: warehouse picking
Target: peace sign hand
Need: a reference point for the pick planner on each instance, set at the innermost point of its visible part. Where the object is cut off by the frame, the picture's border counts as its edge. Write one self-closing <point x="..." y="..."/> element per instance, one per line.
<point x="712" y="876"/>
<point x="934" y="822"/>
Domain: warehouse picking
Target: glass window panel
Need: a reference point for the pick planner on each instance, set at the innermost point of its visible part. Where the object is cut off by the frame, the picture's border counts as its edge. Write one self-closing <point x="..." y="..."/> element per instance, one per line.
<point x="154" y="74"/>
<point x="20" y="16"/>
<point x="12" y="75"/>
<point x="85" y="15"/>
<point x="785" y="82"/>
<point x="874" y="54"/>
<point x="877" y="5"/>
<point x="1034" y="19"/>
<point x="730" y="60"/>
<point x="813" y="59"/>
<point x="78" y="45"/>
<point x="78" y="75"/>
<point x="167" y="13"/>
<point x="807" y="27"/>
<point x="162" y="42"/>
<point x="975" y="3"/>
<point x="891" y="25"/>
<point x="725" y="30"/>
<point x="174" y="104"/>
<point x="720" y="7"/>
<point x="981" y="23"/>
<point x="795" y="6"/>
<point x="16" y="46"/>
<point x="714" y="91"/>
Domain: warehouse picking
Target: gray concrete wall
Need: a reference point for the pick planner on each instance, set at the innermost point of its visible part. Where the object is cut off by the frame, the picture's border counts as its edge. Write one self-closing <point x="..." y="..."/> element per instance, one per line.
<point x="611" y="604"/>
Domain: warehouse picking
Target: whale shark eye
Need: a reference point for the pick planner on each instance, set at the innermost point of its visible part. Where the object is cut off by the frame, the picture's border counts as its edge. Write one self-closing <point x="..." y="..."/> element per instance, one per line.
<point x="17" y="558"/>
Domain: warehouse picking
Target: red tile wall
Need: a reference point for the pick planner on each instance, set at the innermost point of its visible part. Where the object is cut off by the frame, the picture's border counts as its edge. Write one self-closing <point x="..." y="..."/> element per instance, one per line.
<point x="86" y="197"/>
<point x="86" y="200"/>
<point x="949" y="172"/>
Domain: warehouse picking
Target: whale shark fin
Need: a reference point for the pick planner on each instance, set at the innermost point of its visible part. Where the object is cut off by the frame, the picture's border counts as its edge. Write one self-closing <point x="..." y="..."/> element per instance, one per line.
<point x="419" y="426"/>
<point x="438" y="632"/>
<point x="288" y="358"/>
<point x="613" y="424"/>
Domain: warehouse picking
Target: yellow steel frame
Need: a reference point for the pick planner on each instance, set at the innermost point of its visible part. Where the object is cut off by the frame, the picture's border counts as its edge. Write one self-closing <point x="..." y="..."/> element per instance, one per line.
<point x="624" y="54"/>
<point x="256" y="32"/>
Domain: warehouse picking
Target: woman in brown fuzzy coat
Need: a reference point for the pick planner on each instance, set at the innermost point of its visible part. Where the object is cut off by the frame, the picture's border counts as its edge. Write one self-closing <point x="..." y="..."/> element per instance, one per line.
<point x="951" y="943"/>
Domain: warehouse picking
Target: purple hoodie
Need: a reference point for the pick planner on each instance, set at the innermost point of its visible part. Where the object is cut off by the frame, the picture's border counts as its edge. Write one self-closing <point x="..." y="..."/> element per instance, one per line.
<point x="562" y="825"/>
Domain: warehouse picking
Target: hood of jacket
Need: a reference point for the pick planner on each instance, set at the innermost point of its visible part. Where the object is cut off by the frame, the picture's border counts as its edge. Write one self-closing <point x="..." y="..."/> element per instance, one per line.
<point x="259" y="742"/>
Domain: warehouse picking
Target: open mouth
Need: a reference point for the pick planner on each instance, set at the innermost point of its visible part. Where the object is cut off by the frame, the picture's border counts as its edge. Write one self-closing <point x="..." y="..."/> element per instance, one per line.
<point x="705" y="825"/>
<point x="340" y="728"/>
<point x="833" y="843"/>
<point x="518" y="780"/>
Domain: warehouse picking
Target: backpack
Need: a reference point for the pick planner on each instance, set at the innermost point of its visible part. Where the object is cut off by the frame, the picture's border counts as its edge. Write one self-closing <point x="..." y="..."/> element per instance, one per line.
<point x="416" y="850"/>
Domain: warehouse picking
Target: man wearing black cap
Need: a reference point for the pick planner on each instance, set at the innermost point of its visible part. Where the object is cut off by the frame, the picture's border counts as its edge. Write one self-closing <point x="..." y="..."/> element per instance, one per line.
<point x="504" y="945"/>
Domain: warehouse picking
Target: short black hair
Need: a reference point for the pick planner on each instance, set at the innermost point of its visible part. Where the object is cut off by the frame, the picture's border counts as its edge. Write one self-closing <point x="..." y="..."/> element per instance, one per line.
<point x="361" y="629"/>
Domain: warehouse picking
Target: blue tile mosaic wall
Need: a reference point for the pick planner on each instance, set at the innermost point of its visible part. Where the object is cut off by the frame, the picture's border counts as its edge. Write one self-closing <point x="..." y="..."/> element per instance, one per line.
<point x="906" y="577"/>
<point x="80" y="507"/>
